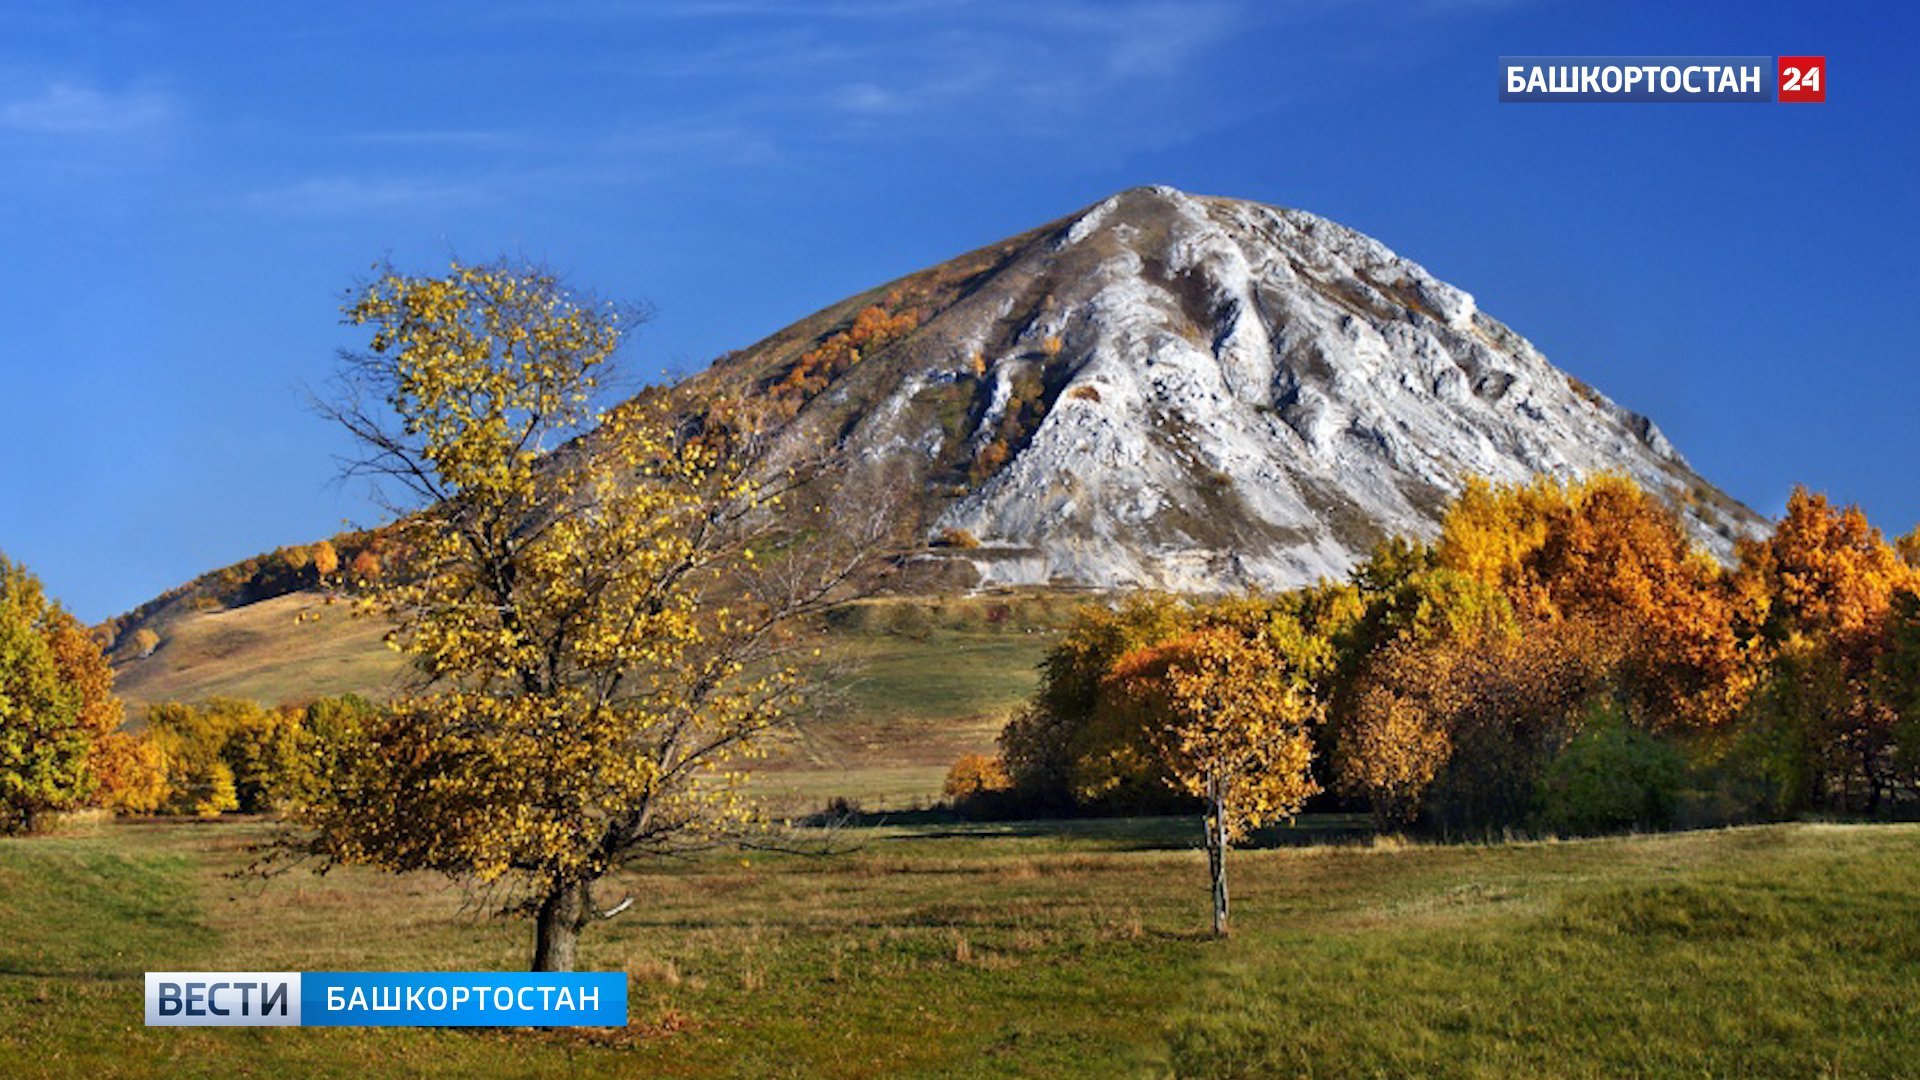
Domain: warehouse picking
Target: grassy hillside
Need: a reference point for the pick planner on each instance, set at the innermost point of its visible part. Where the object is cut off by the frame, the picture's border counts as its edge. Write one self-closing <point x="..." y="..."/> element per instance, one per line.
<point x="1035" y="950"/>
<point x="290" y="648"/>
<point x="915" y="682"/>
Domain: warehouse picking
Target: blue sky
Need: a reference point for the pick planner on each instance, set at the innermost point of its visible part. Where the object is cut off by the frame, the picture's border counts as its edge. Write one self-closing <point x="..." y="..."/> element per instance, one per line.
<point x="187" y="189"/>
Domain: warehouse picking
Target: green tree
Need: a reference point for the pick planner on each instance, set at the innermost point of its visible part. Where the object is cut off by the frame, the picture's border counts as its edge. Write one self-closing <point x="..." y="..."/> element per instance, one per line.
<point x="1611" y="777"/>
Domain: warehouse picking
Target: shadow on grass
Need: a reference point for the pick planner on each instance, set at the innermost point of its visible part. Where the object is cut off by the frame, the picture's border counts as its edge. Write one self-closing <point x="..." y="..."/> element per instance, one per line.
<point x="1154" y="833"/>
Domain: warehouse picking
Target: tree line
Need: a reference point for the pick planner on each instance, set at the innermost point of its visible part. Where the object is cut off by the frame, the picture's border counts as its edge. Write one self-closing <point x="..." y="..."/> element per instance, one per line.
<point x="64" y="744"/>
<point x="1561" y="658"/>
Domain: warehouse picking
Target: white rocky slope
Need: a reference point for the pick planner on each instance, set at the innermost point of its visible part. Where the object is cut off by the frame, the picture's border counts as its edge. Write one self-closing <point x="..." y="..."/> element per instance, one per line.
<point x="1234" y="395"/>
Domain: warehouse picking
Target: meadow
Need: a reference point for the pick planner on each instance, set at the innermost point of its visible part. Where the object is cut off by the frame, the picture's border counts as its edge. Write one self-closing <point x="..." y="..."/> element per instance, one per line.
<point x="1032" y="949"/>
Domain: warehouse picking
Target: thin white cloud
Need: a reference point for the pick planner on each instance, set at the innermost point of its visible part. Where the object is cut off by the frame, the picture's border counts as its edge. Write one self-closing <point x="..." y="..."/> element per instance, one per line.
<point x="865" y="97"/>
<point x="66" y="108"/>
<point x="340" y="195"/>
<point x="780" y="86"/>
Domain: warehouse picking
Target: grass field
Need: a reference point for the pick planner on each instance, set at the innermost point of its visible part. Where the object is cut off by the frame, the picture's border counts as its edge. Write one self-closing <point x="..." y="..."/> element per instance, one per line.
<point x="1035" y="949"/>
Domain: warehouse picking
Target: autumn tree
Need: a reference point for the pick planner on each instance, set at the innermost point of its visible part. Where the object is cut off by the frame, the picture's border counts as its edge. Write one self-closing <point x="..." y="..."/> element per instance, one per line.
<point x="145" y="641"/>
<point x="1395" y="729"/>
<point x="1463" y="728"/>
<point x="262" y="748"/>
<point x="1417" y="620"/>
<point x="1061" y="750"/>
<point x="1604" y="551"/>
<point x="56" y="698"/>
<point x="1822" y="591"/>
<point x="192" y="744"/>
<point x="132" y="772"/>
<point x="1909" y="548"/>
<point x="597" y="599"/>
<point x="325" y="559"/>
<point x="366" y="568"/>
<point x="977" y="784"/>
<point x="1542" y="604"/>
<point x="1232" y="723"/>
<point x="874" y="329"/>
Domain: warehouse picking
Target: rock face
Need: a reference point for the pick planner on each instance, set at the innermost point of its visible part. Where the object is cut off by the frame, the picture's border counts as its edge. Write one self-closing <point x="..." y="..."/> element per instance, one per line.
<point x="1202" y="394"/>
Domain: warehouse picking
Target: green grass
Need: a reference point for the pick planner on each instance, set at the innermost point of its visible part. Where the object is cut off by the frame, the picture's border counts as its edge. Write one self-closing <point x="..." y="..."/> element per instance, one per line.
<point x="919" y="683"/>
<point x="1035" y="949"/>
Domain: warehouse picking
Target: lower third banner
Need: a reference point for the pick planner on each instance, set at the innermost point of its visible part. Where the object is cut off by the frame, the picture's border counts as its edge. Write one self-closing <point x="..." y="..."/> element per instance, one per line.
<point x="385" y="999"/>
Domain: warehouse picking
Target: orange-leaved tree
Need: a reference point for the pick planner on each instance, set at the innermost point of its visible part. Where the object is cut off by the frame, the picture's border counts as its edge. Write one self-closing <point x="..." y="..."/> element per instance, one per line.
<point x="1823" y="592"/>
<point x="326" y="560"/>
<point x="1604" y="551"/>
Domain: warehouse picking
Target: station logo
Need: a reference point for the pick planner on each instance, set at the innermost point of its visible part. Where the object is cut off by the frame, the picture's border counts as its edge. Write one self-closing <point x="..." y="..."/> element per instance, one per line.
<point x="1663" y="78"/>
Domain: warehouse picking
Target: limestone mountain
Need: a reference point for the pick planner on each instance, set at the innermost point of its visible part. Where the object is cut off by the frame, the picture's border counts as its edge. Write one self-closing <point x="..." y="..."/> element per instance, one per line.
<point x="1195" y="393"/>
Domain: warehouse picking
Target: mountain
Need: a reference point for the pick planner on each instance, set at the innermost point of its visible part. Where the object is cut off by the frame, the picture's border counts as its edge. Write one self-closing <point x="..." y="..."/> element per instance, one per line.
<point x="1199" y="394"/>
<point x="1163" y="390"/>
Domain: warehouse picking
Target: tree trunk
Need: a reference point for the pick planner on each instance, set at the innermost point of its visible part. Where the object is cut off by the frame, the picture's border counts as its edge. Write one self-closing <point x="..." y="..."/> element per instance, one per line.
<point x="1217" y="853"/>
<point x="556" y="928"/>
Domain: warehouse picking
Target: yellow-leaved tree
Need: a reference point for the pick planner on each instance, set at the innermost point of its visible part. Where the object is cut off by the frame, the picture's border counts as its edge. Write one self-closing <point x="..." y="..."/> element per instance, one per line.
<point x="596" y="598"/>
<point x="1231" y="720"/>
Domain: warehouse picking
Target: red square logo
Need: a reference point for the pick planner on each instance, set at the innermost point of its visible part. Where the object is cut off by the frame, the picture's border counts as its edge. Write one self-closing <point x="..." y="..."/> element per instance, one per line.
<point x="1803" y="78"/>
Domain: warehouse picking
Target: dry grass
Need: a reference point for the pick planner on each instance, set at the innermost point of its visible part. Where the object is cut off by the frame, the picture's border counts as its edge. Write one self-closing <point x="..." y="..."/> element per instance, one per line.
<point x="291" y="648"/>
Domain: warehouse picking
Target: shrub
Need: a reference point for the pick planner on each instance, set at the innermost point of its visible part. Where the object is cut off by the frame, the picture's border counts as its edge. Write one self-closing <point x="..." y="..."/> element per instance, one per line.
<point x="988" y="461"/>
<point x="974" y="775"/>
<point x="1611" y="778"/>
<point x="978" y="787"/>
<point x="957" y="538"/>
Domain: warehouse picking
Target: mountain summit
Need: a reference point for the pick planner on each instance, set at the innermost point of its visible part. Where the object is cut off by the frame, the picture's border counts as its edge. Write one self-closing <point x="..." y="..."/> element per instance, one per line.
<point x="1196" y="393"/>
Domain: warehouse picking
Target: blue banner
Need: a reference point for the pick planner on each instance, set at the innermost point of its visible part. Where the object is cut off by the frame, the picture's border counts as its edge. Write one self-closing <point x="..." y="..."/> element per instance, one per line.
<point x="462" y="999"/>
